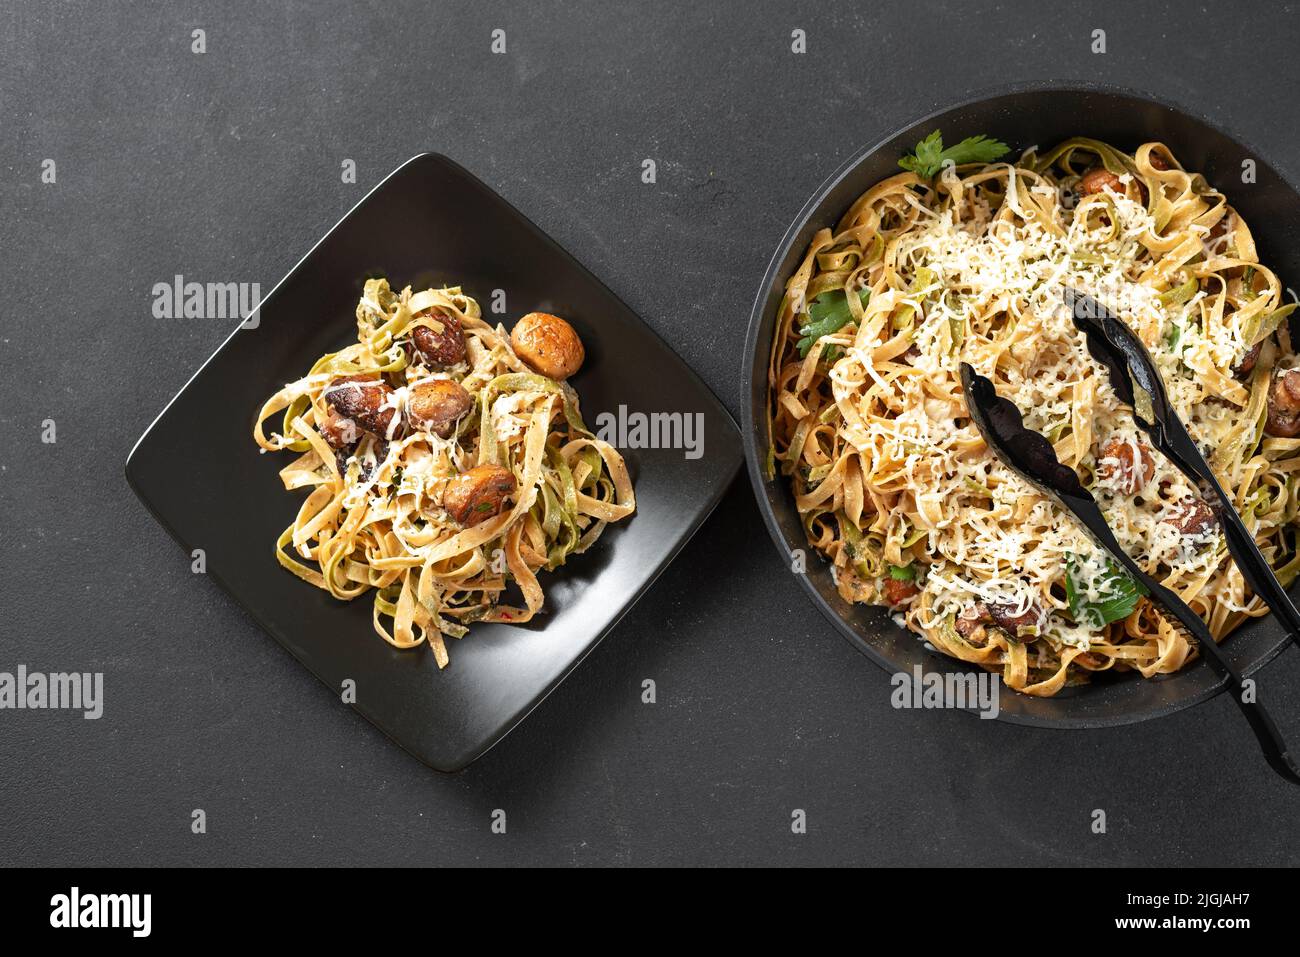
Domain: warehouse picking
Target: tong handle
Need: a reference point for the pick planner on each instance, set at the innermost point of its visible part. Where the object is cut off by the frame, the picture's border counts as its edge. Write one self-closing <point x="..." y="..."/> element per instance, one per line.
<point x="1261" y="722"/>
<point x="1031" y="456"/>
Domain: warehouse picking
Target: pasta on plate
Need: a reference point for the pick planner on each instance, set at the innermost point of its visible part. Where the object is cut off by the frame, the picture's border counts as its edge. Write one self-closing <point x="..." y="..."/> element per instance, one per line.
<point x="447" y="462"/>
<point x="966" y="261"/>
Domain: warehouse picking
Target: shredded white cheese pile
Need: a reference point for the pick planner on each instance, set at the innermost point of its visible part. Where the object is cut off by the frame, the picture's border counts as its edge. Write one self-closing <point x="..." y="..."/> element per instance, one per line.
<point x="991" y="537"/>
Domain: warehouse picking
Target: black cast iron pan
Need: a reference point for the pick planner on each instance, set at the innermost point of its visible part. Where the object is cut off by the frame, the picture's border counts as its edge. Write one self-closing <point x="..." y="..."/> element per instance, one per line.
<point x="1020" y="117"/>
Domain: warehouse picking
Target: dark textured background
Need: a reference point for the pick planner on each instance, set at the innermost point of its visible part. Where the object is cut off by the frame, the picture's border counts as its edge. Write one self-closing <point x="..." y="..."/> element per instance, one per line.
<point x="225" y="167"/>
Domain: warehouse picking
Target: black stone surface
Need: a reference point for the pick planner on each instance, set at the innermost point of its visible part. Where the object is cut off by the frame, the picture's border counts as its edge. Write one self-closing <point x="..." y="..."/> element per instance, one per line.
<point x="225" y="166"/>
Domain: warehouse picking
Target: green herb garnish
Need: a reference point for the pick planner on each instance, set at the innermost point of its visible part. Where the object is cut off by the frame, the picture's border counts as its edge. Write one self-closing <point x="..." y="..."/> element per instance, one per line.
<point x="929" y="156"/>
<point x="902" y="573"/>
<point x="1119" y="591"/>
<point x="828" y="313"/>
<point x="1173" y="336"/>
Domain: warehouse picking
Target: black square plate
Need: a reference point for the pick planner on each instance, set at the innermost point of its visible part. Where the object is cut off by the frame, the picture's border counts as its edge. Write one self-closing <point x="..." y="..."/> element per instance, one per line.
<point x="200" y="473"/>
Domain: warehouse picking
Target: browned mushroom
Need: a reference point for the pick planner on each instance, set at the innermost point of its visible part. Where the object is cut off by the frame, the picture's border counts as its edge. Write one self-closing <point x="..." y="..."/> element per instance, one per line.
<point x="341" y="457"/>
<point x="365" y="399"/>
<point x="1019" y="626"/>
<point x="1247" y="364"/>
<point x="379" y="451"/>
<point x="437" y="405"/>
<point x="971" y="618"/>
<point x="1284" y="405"/>
<point x="1157" y="161"/>
<point x="548" y="344"/>
<point x="370" y="461"/>
<point x="478" y="494"/>
<point x="439" y="339"/>
<point x="338" y="431"/>
<point x="970" y="624"/>
<point x="1191" y="516"/>
<point x="1117" y="464"/>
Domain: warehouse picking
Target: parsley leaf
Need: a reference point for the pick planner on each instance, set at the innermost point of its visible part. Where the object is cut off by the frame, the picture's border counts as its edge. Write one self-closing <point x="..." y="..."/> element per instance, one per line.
<point x="828" y="313"/>
<point x="976" y="149"/>
<point x="1120" y="594"/>
<point x="929" y="156"/>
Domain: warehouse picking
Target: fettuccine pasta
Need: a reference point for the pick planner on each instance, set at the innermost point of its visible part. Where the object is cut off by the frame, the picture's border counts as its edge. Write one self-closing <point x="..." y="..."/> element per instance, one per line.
<point x="444" y="470"/>
<point x="896" y="488"/>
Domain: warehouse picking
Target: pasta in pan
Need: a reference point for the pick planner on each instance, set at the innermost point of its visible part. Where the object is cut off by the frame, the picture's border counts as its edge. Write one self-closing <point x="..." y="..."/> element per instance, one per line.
<point x="447" y="461"/>
<point x="966" y="261"/>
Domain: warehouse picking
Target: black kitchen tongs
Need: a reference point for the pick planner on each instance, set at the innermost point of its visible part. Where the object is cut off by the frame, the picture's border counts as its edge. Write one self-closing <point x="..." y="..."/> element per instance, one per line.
<point x="1031" y="456"/>
<point x="1133" y="376"/>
